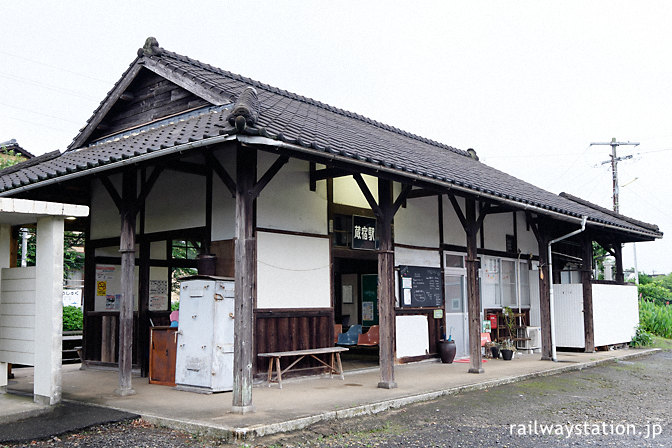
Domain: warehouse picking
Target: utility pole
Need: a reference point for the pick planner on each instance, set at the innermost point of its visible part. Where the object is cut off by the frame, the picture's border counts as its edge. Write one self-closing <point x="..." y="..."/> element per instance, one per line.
<point x="614" y="175"/>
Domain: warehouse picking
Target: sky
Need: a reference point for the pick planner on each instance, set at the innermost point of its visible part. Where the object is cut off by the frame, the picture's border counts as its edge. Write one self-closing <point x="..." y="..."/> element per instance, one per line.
<point x="527" y="84"/>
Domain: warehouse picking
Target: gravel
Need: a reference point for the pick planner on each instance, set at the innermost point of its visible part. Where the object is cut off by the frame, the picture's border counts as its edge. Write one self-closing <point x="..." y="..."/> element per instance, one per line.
<point x="635" y="392"/>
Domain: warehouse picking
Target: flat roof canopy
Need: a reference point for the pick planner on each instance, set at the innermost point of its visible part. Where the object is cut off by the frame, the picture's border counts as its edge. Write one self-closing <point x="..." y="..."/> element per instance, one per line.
<point x="24" y="211"/>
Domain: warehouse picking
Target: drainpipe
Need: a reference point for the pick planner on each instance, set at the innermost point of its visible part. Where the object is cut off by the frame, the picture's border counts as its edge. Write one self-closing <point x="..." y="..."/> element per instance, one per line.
<point x="550" y="281"/>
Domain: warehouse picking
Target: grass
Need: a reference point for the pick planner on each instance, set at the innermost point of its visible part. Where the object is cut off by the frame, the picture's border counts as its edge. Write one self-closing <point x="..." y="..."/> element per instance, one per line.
<point x="662" y="343"/>
<point x="656" y="319"/>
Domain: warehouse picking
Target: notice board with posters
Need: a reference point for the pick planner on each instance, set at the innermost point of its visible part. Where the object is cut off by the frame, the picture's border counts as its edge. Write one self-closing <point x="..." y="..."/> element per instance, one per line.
<point x="420" y="286"/>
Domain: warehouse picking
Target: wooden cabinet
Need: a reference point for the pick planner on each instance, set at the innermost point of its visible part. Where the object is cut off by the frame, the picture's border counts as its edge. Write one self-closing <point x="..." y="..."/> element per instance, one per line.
<point x="163" y="347"/>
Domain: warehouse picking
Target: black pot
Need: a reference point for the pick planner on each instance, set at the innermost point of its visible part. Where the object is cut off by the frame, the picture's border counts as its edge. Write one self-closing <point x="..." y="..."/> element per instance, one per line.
<point x="447" y="351"/>
<point x="495" y="352"/>
<point x="507" y="354"/>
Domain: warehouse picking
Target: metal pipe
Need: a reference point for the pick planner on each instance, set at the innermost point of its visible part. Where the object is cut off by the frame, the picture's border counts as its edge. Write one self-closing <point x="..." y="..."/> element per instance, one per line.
<point x="550" y="282"/>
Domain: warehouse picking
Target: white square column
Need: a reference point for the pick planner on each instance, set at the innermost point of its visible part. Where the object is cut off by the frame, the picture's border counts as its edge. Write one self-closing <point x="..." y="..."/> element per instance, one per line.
<point x="5" y="238"/>
<point x="48" y="310"/>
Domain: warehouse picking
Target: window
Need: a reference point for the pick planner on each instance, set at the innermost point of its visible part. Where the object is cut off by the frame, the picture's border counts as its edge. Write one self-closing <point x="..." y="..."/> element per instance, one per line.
<point x="501" y="281"/>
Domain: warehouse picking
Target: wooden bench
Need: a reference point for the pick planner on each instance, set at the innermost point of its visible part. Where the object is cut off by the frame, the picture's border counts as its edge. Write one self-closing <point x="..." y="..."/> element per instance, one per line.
<point x="335" y="366"/>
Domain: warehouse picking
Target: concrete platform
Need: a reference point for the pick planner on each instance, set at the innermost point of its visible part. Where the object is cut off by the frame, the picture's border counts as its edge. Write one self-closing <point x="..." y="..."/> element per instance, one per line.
<point x="303" y="402"/>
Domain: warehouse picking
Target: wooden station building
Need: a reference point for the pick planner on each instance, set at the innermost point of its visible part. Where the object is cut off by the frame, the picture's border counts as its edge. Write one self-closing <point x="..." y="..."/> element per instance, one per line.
<point x="317" y="212"/>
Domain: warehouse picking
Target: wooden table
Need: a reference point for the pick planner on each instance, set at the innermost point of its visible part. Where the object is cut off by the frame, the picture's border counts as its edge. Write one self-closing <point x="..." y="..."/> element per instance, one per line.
<point x="334" y="367"/>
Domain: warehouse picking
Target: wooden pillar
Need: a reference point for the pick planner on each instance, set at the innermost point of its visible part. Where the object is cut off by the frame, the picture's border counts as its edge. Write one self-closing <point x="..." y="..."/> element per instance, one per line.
<point x="586" y="277"/>
<point x="473" y="293"/>
<point x="618" y="255"/>
<point x="127" y="250"/>
<point x="386" y="285"/>
<point x="143" y="309"/>
<point x="544" y="296"/>
<point x="245" y="275"/>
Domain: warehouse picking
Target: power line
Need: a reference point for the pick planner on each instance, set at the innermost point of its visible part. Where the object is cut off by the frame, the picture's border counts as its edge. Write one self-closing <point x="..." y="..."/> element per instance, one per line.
<point x="45" y="86"/>
<point x="57" y="68"/>
<point x="39" y="113"/>
<point x="614" y="164"/>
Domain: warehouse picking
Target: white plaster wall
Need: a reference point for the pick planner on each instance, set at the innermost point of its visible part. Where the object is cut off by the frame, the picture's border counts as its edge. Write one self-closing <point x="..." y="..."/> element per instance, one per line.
<point x="568" y="309"/>
<point x="287" y="203"/>
<point x="293" y="271"/>
<point x="615" y="313"/>
<point x="177" y="201"/>
<point x="495" y="229"/>
<point x="527" y="243"/>
<point x="17" y="315"/>
<point x="412" y="336"/>
<point x="453" y="232"/>
<point x="418" y="223"/>
<point x="157" y="250"/>
<point x="223" y="203"/>
<point x="105" y="220"/>
<point x="347" y="192"/>
<point x="417" y="257"/>
<point x="535" y="313"/>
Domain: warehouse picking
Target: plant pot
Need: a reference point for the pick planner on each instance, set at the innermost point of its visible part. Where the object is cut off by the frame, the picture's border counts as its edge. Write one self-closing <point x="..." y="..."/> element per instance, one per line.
<point x="495" y="352"/>
<point x="507" y="354"/>
<point x="447" y="350"/>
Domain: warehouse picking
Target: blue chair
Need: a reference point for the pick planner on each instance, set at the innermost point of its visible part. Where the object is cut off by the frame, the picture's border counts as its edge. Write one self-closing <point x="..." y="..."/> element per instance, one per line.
<point x="350" y="337"/>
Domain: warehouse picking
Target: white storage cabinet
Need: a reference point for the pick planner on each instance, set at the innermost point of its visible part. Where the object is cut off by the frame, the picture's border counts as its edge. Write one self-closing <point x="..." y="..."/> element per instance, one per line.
<point x="204" y="361"/>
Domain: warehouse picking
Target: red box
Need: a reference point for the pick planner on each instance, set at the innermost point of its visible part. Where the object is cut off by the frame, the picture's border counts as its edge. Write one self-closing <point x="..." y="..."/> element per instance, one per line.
<point x="493" y="320"/>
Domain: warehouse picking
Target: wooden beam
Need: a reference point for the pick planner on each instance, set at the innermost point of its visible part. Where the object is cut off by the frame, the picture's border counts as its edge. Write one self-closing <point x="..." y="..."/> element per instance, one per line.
<point x="586" y="277"/>
<point x="111" y="191"/>
<point x="269" y="174"/>
<point x="367" y="194"/>
<point x="221" y="172"/>
<point x="386" y="300"/>
<point x="245" y="276"/>
<point x="618" y="255"/>
<point x="330" y="173"/>
<point x="187" y="167"/>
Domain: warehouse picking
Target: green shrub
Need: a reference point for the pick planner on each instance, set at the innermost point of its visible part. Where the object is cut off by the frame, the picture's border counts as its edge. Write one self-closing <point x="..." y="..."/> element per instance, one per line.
<point x="655" y="318"/>
<point x="73" y="319"/>
<point x="175" y="306"/>
<point x="642" y="338"/>
<point x="655" y="292"/>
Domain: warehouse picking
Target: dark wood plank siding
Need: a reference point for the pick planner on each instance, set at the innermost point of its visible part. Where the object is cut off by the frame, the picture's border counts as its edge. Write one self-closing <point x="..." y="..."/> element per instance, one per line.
<point x="296" y="329"/>
<point x="149" y="97"/>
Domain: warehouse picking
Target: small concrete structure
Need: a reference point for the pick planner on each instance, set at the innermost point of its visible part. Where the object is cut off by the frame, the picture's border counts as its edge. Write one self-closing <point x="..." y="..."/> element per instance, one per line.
<point x="31" y="308"/>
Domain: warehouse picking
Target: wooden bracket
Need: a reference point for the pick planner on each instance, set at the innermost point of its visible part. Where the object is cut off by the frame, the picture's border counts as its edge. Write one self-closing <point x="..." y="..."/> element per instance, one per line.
<point x="268" y="175"/>
<point x="221" y="172"/>
<point x="116" y="198"/>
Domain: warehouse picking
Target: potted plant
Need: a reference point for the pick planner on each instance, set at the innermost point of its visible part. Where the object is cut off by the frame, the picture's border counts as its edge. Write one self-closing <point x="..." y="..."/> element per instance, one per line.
<point x="494" y="349"/>
<point x="447" y="349"/>
<point x="508" y="348"/>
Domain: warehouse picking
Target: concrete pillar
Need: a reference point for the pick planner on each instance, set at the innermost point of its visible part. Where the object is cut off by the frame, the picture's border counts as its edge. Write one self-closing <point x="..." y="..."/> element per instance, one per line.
<point x="48" y="310"/>
<point x="5" y="239"/>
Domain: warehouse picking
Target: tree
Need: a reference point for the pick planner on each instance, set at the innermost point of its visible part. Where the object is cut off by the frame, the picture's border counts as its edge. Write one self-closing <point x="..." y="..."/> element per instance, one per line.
<point x="73" y="259"/>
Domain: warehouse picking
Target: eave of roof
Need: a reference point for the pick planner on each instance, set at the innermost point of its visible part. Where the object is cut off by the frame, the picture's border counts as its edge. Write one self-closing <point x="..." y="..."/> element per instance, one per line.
<point x="302" y="124"/>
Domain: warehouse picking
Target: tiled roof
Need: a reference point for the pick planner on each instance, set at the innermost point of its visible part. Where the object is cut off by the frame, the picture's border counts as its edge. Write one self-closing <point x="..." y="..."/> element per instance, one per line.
<point x="314" y="126"/>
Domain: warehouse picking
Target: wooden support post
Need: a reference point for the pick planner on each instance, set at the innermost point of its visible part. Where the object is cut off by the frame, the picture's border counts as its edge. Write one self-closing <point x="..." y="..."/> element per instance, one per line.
<point x="386" y="285"/>
<point x="473" y="293"/>
<point x="586" y="277"/>
<point x="127" y="250"/>
<point x="544" y="287"/>
<point x="544" y="297"/>
<point x="245" y="275"/>
<point x="471" y="226"/>
<point x="618" y="255"/>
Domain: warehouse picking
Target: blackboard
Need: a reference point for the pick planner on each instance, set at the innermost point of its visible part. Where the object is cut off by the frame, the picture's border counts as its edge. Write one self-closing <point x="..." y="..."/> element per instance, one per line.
<point x="420" y="286"/>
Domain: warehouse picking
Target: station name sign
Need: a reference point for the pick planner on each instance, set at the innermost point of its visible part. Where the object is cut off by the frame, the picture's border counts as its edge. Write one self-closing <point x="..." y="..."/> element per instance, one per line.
<point x="364" y="233"/>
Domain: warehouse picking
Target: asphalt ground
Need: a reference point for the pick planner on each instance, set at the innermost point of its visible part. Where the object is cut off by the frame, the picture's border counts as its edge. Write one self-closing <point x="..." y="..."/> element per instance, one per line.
<point x="633" y="396"/>
<point x="65" y="417"/>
